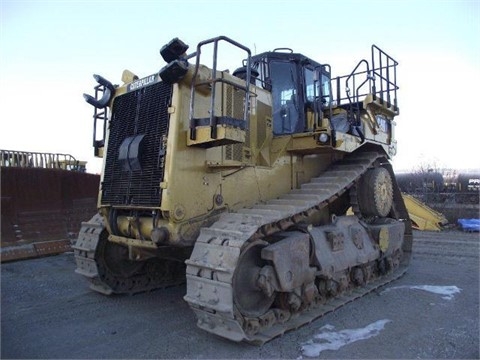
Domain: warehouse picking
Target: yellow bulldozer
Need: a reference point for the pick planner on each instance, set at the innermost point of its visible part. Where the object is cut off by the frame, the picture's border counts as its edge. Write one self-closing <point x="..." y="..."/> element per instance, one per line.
<point x="238" y="184"/>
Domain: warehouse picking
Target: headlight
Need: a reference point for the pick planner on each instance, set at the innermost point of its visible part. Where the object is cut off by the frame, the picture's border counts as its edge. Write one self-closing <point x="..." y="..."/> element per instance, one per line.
<point x="323" y="138"/>
<point x="174" y="71"/>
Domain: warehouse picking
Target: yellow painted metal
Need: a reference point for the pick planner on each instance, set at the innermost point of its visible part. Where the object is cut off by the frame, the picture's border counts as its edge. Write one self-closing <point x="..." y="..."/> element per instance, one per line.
<point x="225" y="135"/>
<point x="200" y="182"/>
<point x="132" y="242"/>
<point x="423" y="217"/>
<point x="204" y="177"/>
<point x="383" y="239"/>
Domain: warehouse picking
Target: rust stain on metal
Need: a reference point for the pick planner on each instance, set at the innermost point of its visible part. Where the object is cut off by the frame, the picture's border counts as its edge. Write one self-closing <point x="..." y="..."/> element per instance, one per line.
<point x="42" y="209"/>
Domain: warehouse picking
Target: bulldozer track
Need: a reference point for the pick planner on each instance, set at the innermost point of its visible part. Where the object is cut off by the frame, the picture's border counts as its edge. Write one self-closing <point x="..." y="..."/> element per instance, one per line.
<point x="211" y="268"/>
<point x="91" y="264"/>
<point x="84" y="249"/>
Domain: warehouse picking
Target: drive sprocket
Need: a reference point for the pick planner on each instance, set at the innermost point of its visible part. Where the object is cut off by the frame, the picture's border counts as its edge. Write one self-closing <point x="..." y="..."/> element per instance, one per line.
<point x="375" y="193"/>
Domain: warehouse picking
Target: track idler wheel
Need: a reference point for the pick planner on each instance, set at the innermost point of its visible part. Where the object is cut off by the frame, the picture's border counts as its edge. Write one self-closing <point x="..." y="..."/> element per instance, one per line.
<point x="115" y="258"/>
<point x="115" y="269"/>
<point x="251" y="300"/>
<point x="375" y="193"/>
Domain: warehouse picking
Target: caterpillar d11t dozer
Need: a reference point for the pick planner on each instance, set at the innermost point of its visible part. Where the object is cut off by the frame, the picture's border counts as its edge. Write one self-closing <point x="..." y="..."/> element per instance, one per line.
<point x="238" y="184"/>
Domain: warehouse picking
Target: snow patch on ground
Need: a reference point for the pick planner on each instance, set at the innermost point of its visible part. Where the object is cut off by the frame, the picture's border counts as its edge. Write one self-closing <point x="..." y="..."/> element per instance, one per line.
<point x="331" y="340"/>
<point x="448" y="292"/>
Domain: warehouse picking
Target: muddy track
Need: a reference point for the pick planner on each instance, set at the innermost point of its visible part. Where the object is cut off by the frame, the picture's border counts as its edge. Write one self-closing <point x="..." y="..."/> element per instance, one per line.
<point x="90" y="257"/>
<point x="211" y="268"/>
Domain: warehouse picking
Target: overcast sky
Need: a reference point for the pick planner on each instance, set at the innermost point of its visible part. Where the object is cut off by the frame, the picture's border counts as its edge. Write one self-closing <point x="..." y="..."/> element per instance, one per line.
<point x="50" y="49"/>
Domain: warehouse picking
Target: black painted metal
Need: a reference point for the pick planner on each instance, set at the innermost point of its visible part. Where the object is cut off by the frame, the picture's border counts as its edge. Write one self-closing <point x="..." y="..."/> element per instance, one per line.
<point x="140" y="112"/>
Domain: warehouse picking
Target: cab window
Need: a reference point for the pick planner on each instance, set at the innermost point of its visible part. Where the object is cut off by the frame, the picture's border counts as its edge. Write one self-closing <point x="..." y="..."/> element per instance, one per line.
<point x="312" y="90"/>
<point x="286" y="108"/>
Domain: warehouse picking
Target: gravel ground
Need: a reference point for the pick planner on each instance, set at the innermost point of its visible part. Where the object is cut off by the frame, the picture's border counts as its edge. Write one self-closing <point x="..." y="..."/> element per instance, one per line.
<point x="48" y="311"/>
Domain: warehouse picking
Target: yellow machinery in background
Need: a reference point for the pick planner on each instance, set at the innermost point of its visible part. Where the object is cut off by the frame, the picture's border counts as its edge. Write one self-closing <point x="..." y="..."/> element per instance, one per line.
<point x="422" y="216"/>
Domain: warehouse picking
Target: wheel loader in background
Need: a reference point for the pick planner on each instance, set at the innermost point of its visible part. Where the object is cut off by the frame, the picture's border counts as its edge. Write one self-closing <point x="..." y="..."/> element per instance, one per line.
<point x="238" y="184"/>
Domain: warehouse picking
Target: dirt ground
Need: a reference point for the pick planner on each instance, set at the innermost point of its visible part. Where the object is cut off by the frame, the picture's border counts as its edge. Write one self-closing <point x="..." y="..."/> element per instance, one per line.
<point x="48" y="311"/>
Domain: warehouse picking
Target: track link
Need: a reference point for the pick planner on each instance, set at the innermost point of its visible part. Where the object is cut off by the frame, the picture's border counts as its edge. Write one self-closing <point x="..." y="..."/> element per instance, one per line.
<point x="211" y="268"/>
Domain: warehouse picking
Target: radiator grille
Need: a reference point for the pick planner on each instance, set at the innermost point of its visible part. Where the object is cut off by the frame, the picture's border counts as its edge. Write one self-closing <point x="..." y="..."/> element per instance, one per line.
<point x="144" y="111"/>
<point x="234" y="152"/>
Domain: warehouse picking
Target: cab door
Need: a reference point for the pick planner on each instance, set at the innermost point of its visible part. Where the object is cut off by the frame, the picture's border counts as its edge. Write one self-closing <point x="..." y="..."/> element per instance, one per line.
<point x="288" y="114"/>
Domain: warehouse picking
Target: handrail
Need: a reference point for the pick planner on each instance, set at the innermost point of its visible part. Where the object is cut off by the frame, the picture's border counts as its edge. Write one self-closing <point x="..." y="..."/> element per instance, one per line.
<point x="341" y="91"/>
<point x="352" y="75"/>
<point x="214" y="80"/>
<point x="381" y="77"/>
<point x="383" y="72"/>
<point x="99" y="114"/>
<point x="15" y="158"/>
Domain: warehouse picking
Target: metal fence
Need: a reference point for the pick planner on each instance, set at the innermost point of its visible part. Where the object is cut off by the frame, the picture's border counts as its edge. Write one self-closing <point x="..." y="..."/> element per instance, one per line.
<point x="14" y="158"/>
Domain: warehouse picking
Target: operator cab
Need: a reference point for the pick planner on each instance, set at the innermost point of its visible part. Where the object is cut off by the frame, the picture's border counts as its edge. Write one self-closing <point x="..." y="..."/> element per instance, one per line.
<point x="300" y="89"/>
